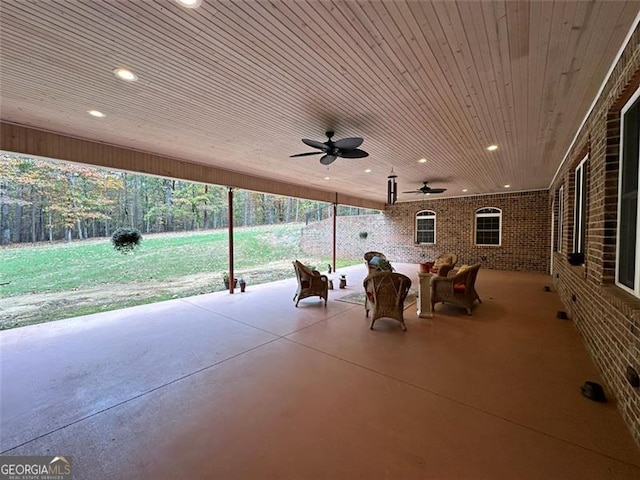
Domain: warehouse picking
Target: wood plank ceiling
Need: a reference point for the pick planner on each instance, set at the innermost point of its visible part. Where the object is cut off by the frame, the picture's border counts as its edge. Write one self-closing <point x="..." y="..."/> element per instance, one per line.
<point x="238" y="84"/>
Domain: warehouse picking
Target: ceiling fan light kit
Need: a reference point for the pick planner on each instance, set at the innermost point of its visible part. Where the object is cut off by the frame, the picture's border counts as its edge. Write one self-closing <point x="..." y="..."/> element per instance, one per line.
<point x="344" y="148"/>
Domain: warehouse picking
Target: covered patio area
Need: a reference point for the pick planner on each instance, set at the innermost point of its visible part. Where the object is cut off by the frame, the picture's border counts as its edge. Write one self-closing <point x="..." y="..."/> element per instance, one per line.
<point x="247" y="386"/>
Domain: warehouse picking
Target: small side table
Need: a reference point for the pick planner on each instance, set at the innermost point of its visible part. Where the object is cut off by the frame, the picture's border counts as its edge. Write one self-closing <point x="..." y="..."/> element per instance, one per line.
<point x="424" y="295"/>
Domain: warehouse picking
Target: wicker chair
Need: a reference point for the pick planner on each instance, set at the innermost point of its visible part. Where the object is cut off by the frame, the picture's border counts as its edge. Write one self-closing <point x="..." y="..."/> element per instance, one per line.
<point x="310" y="283"/>
<point x="443" y="270"/>
<point x="367" y="259"/>
<point x="444" y="264"/>
<point x="458" y="289"/>
<point x="385" y="293"/>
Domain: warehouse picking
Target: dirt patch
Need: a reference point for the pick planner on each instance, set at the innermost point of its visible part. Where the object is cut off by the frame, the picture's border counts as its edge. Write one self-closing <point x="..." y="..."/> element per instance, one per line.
<point x="34" y="308"/>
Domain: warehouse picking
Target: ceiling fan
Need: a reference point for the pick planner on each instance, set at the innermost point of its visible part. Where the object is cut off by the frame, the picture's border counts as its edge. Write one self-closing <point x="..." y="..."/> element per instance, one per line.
<point x="345" y="148"/>
<point x="427" y="190"/>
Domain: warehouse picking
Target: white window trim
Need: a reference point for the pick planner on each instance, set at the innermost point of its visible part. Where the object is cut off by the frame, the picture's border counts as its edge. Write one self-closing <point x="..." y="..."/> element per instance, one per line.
<point x="475" y="226"/>
<point x="560" y="231"/>
<point x="579" y="207"/>
<point x="435" y="224"/>
<point x="636" y="291"/>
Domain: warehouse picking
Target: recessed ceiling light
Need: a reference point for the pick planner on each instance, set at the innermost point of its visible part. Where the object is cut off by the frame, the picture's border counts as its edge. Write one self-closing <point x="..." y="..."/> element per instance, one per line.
<point x="507" y="186"/>
<point x="96" y="113"/>
<point x="464" y="189"/>
<point x="491" y="148"/>
<point x="422" y="160"/>
<point x="124" y="74"/>
<point x="190" y="3"/>
<point x="368" y="170"/>
<point x="327" y="178"/>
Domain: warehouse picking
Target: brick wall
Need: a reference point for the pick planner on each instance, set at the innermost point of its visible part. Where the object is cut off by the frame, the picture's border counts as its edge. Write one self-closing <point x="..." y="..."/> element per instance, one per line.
<point x="607" y="317"/>
<point x="526" y="232"/>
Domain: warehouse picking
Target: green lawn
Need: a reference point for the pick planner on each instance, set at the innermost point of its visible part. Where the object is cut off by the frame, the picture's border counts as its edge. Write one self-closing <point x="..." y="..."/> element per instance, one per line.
<point x="262" y="254"/>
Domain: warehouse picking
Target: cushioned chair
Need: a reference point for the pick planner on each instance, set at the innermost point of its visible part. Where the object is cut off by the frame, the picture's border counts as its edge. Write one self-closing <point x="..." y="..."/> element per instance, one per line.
<point x="443" y="270"/>
<point x="310" y="283"/>
<point x="371" y="260"/>
<point x="444" y="264"/>
<point x="458" y="289"/>
<point x="385" y="294"/>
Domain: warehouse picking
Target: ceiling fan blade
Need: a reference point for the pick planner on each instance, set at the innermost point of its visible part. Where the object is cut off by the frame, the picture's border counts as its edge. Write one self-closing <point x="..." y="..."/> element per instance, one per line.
<point x="437" y="190"/>
<point x="315" y="144"/>
<point x="413" y="191"/>
<point x="327" y="159"/>
<point x="305" y="154"/>
<point x="355" y="153"/>
<point x="349" y="143"/>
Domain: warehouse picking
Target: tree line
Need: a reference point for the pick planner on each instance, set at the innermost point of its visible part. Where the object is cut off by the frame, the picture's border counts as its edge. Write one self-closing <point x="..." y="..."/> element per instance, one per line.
<point x="47" y="200"/>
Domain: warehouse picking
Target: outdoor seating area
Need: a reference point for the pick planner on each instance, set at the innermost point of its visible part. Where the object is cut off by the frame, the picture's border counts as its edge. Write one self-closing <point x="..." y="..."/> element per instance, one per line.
<point x="385" y="293"/>
<point x="225" y="376"/>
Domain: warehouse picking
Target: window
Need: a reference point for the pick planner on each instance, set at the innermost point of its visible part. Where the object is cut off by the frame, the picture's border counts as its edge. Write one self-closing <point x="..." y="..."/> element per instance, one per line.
<point x="426" y="227"/>
<point x="628" y="241"/>
<point x="488" y="226"/>
<point x="560" y="219"/>
<point x="580" y="220"/>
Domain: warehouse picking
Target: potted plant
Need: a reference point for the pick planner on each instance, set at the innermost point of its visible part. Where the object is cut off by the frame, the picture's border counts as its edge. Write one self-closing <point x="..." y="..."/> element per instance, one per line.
<point x="425" y="267"/>
<point x="125" y="239"/>
<point x="225" y="279"/>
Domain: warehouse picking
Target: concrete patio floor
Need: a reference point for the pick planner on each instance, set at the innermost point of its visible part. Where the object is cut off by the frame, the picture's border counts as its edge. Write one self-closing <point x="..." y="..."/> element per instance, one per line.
<point x="246" y="386"/>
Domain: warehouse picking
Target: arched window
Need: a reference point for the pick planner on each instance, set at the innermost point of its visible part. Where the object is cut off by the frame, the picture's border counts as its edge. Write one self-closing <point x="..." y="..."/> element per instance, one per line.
<point x="426" y="227"/>
<point x="488" y="226"/>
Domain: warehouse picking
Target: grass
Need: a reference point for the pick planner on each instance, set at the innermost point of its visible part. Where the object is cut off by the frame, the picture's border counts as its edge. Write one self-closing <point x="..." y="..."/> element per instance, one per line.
<point x="196" y="260"/>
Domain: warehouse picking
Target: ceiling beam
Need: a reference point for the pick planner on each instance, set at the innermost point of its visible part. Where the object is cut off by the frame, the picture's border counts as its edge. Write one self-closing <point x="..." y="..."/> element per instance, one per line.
<point x="29" y="141"/>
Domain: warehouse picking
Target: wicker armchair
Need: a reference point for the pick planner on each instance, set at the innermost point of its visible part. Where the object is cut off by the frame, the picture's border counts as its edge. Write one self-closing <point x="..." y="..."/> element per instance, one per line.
<point x="367" y="260"/>
<point x="444" y="264"/>
<point x="385" y="293"/>
<point x="458" y="289"/>
<point x="310" y="283"/>
<point x="443" y="270"/>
